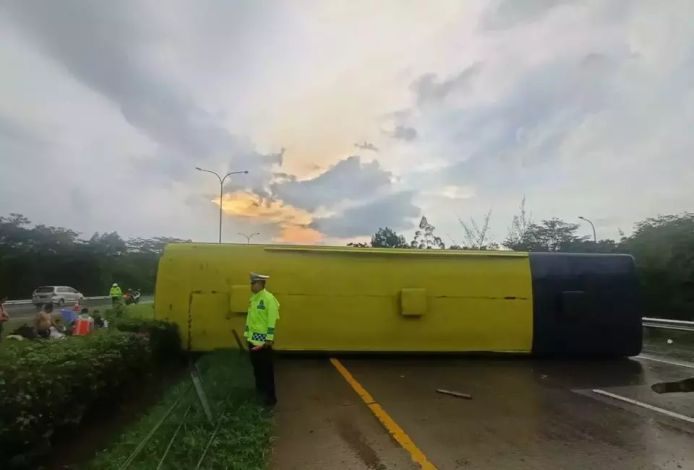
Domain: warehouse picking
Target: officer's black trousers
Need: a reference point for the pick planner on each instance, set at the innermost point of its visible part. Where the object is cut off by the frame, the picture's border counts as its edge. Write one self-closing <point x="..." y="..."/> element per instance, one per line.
<point x="264" y="371"/>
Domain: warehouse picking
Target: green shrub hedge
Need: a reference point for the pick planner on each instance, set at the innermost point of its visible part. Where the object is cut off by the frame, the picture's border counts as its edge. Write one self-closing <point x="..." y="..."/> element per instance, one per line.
<point x="46" y="385"/>
<point x="163" y="336"/>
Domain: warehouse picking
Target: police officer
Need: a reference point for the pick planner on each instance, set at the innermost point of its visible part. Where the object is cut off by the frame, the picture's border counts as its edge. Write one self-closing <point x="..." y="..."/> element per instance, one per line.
<point x="263" y="313"/>
<point x="116" y="294"/>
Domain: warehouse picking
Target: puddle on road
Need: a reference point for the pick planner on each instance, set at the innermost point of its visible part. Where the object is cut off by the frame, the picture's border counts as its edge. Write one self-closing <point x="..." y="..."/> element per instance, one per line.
<point x="356" y="441"/>
<point x="679" y="386"/>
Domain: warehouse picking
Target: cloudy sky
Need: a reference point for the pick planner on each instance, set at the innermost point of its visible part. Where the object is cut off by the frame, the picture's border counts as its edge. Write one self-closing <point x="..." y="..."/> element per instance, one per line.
<point x="349" y="116"/>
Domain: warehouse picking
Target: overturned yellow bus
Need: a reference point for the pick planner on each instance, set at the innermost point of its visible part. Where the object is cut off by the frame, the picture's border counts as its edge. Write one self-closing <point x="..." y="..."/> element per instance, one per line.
<point x="342" y="299"/>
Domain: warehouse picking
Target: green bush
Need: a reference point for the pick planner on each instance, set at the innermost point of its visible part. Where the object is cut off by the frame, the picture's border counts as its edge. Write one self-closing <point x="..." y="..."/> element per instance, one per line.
<point x="142" y="311"/>
<point x="45" y="385"/>
<point x="163" y="336"/>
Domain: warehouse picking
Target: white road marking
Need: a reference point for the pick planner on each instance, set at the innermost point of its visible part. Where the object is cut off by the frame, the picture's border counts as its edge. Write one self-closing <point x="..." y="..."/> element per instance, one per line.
<point x="672" y="414"/>
<point x="674" y="363"/>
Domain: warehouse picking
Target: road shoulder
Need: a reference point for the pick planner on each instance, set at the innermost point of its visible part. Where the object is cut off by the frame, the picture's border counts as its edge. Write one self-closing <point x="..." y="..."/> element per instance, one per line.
<point x="321" y="423"/>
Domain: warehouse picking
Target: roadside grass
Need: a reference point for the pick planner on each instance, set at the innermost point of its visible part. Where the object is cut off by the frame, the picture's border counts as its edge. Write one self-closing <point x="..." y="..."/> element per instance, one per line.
<point x="238" y="437"/>
<point x="140" y="311"/>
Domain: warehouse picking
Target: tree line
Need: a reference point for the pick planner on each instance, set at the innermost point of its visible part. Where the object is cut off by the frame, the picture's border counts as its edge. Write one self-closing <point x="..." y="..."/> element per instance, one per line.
<point x="35" y="255"/>
<point x="663" y="248"/>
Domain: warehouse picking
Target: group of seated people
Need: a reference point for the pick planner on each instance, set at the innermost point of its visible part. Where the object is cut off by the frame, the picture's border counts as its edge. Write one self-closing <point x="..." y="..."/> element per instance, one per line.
<point x="47" y="326"/>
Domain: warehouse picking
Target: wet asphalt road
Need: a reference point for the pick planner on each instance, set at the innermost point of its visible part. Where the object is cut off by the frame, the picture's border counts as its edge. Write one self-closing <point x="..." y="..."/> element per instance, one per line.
<point x="679" y="347"/>
<point x="525" y="414"/>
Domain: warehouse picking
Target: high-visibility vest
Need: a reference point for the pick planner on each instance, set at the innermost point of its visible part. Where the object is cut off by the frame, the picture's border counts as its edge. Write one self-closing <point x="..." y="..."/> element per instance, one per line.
<point x="263" y="313"/>
<point x="116" y="292"/>
<point x="83" y="325"/>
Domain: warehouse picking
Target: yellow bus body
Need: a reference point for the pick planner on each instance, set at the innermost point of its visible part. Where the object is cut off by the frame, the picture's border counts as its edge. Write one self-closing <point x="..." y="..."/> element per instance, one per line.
<point x="351" y="299"/>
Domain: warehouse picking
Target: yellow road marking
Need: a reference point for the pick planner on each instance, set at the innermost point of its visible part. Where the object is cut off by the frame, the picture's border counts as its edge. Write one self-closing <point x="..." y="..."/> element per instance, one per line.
<point x="391" y="426"/>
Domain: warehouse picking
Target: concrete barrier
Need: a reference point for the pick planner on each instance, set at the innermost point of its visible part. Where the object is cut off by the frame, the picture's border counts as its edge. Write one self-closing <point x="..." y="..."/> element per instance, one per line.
<point x="28" y="301"/>
<point x="668" y="324"/>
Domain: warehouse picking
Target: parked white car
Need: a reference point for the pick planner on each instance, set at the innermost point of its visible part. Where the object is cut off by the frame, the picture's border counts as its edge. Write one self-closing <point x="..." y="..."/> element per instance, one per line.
<point x="59" y="295"/>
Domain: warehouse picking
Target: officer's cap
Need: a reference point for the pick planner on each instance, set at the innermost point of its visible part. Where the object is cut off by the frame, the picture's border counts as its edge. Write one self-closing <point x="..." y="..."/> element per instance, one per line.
<point x="259" y="277"/>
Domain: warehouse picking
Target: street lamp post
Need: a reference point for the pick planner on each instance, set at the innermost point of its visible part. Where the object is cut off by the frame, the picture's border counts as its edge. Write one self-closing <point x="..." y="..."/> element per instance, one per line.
<point x="221" y="191"/>
<point x="595" y="238"/>
<point x="248" y="237"/>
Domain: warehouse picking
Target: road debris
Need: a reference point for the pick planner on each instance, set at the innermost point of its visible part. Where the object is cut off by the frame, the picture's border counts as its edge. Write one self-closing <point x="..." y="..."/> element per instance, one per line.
<point x="454" y="394"/>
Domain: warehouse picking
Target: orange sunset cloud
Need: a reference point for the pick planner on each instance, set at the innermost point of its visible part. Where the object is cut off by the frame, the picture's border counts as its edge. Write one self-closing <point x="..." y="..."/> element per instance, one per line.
<point x="292" y="221"/>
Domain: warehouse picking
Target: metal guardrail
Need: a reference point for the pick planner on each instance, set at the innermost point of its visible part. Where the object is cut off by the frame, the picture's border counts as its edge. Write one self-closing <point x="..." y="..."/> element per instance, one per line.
<point x="25" y="301"/>
<point x="668" y="324"/>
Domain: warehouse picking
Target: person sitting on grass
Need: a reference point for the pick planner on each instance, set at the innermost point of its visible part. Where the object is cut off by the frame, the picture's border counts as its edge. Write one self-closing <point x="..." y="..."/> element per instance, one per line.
<point x="98" y="319"/>
<point x="23" y="332"/>
<point x="57" y="330"/>
<point x="44" y="321"/>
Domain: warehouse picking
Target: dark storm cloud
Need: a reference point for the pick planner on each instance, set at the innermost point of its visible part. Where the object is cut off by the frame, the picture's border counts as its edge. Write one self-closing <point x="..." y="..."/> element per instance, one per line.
<point x="349" y="179"/>
<point x="539" y="112"/>
<point x="396" y="211"/>
<point x="19" y="145"/>
<point x="366" y="146"/>
<point x="111" y="48"/>
<point x="405" y="133"/>
<point x="430" y="89"/>
<point x="431" y="93"/>
<point x="18" y="135"/>
<point x="572" y="103"/>
<point x="507" y="13"/>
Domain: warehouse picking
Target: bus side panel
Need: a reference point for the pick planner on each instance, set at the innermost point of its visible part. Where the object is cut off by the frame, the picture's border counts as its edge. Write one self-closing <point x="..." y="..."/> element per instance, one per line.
<point x="350" y="300"/>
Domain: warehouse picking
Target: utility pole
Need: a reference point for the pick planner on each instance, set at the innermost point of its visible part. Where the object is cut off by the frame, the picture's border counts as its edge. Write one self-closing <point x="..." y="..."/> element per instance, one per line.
<point x="595" y="238"/>
<point x="248" y="237"/>
<point x="221" y="191"/>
